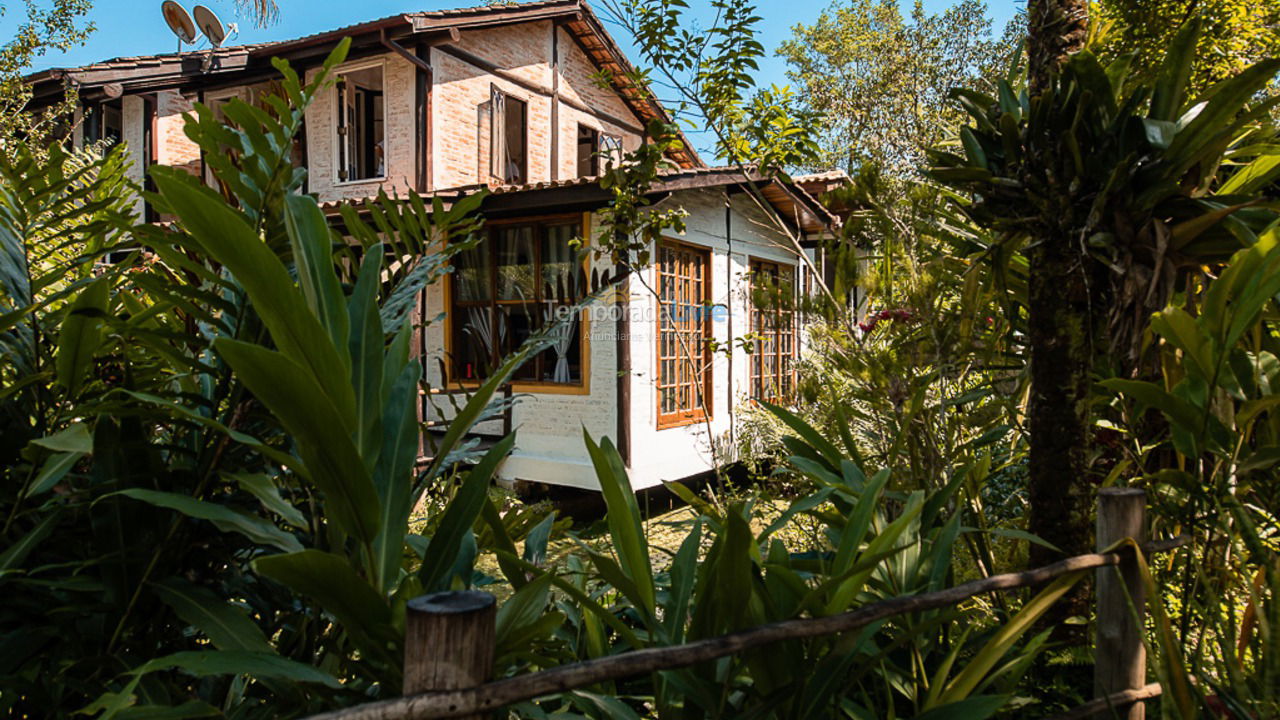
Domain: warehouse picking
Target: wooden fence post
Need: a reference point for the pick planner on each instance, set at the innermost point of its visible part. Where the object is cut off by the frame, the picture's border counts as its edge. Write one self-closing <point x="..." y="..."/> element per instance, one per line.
<point x="449" y="641"/>
<point x="1120" y="660"/>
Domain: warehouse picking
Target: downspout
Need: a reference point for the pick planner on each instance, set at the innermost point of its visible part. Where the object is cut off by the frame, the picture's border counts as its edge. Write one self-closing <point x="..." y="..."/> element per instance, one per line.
<point x="728" y="236"/>
<point x="622" y="351"/>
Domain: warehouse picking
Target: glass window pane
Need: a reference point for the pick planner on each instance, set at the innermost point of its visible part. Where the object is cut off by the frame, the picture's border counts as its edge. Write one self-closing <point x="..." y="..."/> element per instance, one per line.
<point x="515" y="264"/>
<point x="471" y="274"/>
<point x="561" y="272"/>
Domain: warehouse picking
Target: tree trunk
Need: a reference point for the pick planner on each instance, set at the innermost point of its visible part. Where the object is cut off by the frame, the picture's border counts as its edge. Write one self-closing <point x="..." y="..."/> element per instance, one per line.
<point x="1060" y="335"/>
<point x="1055" y="30"/>
<point x="1060" y="329"/>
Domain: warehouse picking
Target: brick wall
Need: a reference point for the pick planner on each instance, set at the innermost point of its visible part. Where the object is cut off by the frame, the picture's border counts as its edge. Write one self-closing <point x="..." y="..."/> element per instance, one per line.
<point x="398" y="76"/>
<point x="461" y="103"/>
<point x="173" y="147"/>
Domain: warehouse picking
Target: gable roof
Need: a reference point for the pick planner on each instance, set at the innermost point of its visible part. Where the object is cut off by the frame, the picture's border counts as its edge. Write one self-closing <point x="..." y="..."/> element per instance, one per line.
<point x="197" y="68"/>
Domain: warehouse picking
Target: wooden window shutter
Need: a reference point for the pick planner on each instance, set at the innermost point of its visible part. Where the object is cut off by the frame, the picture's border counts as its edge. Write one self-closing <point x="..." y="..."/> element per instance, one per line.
<point x="343" y="129"/>
<point x="497" y="133"/>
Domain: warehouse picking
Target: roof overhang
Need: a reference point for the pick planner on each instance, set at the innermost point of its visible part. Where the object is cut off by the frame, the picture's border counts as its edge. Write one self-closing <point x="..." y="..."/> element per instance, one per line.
<point x="789" y="202"/>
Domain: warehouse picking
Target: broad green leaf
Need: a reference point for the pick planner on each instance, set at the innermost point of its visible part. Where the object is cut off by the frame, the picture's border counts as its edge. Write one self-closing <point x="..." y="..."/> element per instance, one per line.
<point x="294" y="327"/>
<point x="520" y="611"/>
<point x="311" y="239"/>
<point x="1005" y="638"/>
<point x="13" y="556"/>
<point x="264" y="488"/>
<point x="623" y="516"/>
<point x="366" y="346"/>
<point x="223" y="517"/>
<point x="1170" y="90"/>
<point x="238" y="662"/>
<point x="228" y="627"/>
<point x="53" y="470"/>
<point x="460" y="516"/>
<point x="1016" y="534"/>
<point x="1176" y="409"/>
<point x="821" y="445"/>
<point x="335" y="585"/>
<point x="74" y="439"/>
<point x="324" y="441"/>
<point x="81" y="334"/>
<point x="393" y="476"/>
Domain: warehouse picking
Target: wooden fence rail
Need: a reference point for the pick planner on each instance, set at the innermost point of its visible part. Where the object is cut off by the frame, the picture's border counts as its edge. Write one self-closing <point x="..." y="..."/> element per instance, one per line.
<point x="428" y="703"/>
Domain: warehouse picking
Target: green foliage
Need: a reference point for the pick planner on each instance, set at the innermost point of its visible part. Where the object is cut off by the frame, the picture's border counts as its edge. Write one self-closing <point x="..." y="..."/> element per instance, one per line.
<point x="727" y="575"/>
<point x="880" y="81"/>
<point x="1213" y="472"/>
<point x="1156" y="179"/>
<point x="58" y="26"/>
<point x="1237" y="34"/>
<point x="209" y="449"/>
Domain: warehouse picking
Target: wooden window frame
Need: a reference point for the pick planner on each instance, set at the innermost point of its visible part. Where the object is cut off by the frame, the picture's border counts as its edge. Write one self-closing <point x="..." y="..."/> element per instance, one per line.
<point x="784" y="326"/>
<point x="593" y="160"/>
<point x="340" y="127"/>
<point x="583" y="386"/>
<point x="701" y="403"/>
<point x="498" y="99"/>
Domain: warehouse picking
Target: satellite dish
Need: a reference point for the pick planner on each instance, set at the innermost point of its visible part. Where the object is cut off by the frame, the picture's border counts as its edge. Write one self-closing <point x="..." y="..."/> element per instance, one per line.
<point x="210" y="25"/>
<point x="179" y="21"/>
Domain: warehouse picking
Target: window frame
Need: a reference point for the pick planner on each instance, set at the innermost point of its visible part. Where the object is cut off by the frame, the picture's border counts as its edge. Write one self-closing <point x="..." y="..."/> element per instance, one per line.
<point x="702" y="405"/>
<point x="340" y="123"/>
<point x="496" y="174"/>
<point x="593" y="160"/>
<point x="583" y="385"/>
<point x="755" y="369"/>
<point x="612" y="149"/>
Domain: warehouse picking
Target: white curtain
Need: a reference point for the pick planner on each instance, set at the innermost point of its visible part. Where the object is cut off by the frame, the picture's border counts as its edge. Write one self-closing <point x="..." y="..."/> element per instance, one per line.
<point x="563" y="335"/>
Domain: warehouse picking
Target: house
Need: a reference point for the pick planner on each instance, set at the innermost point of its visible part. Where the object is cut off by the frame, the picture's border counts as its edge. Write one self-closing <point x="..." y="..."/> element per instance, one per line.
<point x="507" y="97"/>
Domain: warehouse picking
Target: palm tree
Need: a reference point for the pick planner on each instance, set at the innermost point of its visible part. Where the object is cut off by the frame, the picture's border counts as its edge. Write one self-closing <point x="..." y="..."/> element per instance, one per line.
<point x="261" y="12"/>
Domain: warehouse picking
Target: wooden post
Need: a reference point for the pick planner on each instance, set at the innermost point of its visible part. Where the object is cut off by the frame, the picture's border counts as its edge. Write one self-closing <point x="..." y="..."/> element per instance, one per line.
<point x="1120" y="660"/>
<point x="449" y="641"/>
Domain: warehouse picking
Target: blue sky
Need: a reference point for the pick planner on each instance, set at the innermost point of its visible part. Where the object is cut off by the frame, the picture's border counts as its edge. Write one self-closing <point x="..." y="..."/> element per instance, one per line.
<point x="135" y="27"/>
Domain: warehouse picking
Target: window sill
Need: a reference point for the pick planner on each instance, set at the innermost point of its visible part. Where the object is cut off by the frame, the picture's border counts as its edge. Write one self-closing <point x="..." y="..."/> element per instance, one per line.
<point x="534" y="388"/>
<point x="669" y="422"/>
<point x="363" y="181"/>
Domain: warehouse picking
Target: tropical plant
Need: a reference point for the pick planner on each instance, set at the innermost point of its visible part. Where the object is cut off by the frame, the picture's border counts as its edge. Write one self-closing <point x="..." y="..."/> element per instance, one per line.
<point x="876" y="543"/>
<point x="214" y="441"/>
<point x="1116" y="189"/>
<point x="1212" y="476"/>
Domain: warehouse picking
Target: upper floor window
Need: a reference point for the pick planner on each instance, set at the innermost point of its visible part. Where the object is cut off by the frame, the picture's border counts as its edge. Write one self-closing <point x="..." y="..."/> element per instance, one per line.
<point x="588" y="151"/>
<point x="105" y="123"/>
<point x="361" y="125"/>
<point x="522" y="277"/>
<point x="684" y="329"/>
<point x="611" y="151"/>
<point x="773" y="323"/>
<point x="508" y="138"/>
